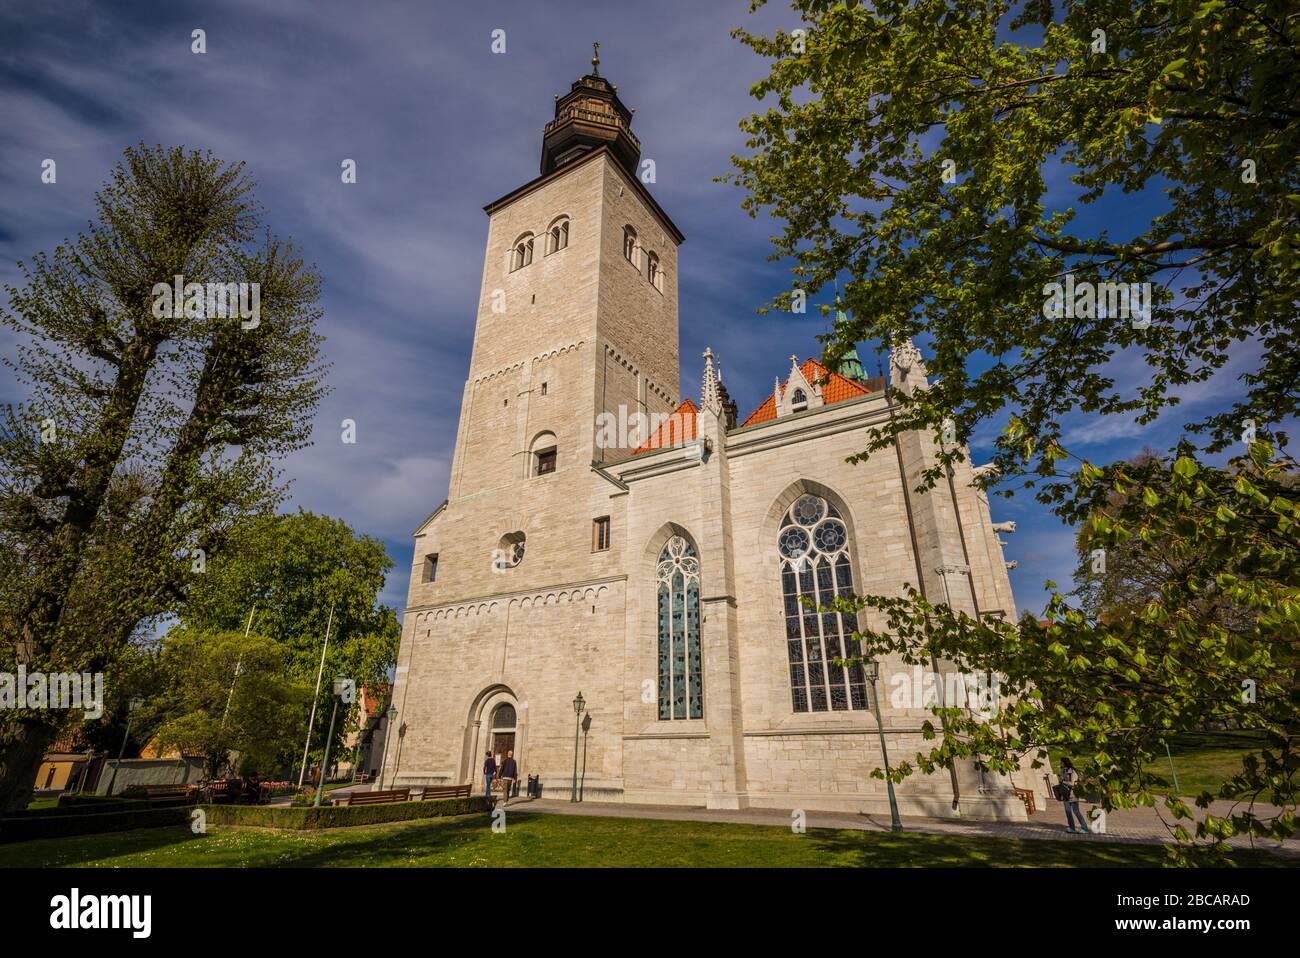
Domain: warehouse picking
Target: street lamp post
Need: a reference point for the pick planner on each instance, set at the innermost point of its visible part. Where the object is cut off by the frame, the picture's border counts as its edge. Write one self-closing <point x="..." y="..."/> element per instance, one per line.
<point x="131" y="707"/>
<point x="873" y="673"/>
<point x="578" y="705"/>
<point x="391" y="715"/>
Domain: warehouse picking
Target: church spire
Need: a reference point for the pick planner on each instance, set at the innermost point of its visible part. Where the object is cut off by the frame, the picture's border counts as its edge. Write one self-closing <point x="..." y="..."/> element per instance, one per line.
<point x="709" y="398"/>
<point x="907" y="371"/>
<point x="588" y="117"/>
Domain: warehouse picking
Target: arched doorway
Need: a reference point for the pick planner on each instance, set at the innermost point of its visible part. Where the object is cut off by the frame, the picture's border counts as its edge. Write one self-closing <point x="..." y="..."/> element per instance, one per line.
<point x="502" y="726"/>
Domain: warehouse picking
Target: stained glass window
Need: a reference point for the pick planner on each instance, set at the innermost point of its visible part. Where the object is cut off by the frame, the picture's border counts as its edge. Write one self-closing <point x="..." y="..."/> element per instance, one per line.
<point x="681" y="684"/>
<point x="813" y="548"/>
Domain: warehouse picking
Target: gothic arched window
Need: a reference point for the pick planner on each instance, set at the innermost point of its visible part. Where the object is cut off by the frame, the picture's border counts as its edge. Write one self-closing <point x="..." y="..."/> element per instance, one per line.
<point x="681" y="685"/>
<point x="558" y="237"/>
<point x="522" y="254"/>
<point x="799" y="401"/>
<point x="652" y="270"/>
<point x="813" y="547"/>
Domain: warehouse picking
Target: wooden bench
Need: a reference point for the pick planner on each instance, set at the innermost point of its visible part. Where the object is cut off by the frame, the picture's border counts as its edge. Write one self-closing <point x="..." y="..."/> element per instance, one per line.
<point x="445" y="791"/>
<point x="378" y="798"/>
<point x="1026" y="795"/>
<point x="361" y="778"/>
<point x="171" y="794"/>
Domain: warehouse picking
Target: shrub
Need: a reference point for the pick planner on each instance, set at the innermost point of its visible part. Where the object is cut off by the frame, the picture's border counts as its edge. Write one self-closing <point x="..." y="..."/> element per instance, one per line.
<point x="62" y="826"/>
<point x="339" y="816"/>
<point x="76" y="798"/>
<point x="99" y="807"/>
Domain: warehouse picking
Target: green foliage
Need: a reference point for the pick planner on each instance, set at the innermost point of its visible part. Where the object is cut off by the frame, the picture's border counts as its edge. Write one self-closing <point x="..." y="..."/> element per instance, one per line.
<point x="340" y="816"/>
<point x="290" y="570"/>
<point x="143" y="437"/>
<point x="850" y="155"/>
<point x="226" y="692"/>
<point x="1110" y="691"/>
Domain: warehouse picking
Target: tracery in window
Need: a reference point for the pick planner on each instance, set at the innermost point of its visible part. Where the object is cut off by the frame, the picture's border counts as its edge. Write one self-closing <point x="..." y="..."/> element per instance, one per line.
<point x="813" y="547"/>
<point x="681" y="684"/>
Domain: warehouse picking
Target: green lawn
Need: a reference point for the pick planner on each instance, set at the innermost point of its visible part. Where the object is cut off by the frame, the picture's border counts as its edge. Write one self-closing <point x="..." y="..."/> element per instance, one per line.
<point x="561" y="840"/>
<point x="1205" y="760"/>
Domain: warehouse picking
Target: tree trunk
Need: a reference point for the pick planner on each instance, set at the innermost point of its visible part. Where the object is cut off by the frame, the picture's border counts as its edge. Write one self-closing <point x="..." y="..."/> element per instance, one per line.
<point x="22" y="746"/>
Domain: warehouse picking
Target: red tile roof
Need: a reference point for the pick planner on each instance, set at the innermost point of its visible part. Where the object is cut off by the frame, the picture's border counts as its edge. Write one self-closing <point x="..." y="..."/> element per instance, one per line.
<point x="679" y="428"/>
<point x="835" y="388"/>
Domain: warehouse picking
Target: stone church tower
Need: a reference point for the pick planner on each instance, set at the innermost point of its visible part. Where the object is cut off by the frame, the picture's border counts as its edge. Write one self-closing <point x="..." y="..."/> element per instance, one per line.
<point x="603" y="535"/>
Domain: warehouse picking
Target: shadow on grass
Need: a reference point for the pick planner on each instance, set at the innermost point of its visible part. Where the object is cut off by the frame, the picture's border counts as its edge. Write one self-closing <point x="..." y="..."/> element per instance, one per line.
<point x="543" y="841"/>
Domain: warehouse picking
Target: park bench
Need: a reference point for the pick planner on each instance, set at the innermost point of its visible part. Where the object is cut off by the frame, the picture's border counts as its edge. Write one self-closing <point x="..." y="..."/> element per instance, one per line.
<point x="1026" y="795"/>
<point x="444" y="791"/>
<point x="378" y="798"/>
<point x="361" y="778"/>
<point x="171" y="794"/>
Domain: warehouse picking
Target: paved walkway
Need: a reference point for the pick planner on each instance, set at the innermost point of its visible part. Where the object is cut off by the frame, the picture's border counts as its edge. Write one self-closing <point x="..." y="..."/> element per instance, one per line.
<point x="1138" y="825"/>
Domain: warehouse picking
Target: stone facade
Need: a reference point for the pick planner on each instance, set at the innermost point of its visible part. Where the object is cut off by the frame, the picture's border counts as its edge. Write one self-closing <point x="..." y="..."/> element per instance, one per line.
<point x="575" y="339"/>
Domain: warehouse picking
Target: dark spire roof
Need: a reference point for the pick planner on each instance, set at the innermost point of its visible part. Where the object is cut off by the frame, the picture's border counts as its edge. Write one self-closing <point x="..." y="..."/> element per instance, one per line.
<point x="588" y="116"/>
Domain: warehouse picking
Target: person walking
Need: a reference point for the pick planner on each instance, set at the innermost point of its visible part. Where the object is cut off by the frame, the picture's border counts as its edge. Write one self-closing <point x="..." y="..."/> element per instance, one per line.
<point x="509" y="772"/>
<point x="489" y="773"/>
<point x="1069" y="778"/>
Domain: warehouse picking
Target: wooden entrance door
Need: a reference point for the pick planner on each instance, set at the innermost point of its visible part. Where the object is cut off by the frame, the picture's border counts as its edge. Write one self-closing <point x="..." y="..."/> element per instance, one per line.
<point x="502" y="742"/>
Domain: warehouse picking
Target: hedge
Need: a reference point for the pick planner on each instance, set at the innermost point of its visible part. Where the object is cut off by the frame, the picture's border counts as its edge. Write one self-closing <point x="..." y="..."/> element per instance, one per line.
<point x="341" y="816"/>
<point x="100" y="807"/>
<point x="62" y="826"/>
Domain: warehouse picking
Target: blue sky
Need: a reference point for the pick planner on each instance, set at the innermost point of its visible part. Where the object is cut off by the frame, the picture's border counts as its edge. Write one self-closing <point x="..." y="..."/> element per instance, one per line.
<point x="438" y="126"/>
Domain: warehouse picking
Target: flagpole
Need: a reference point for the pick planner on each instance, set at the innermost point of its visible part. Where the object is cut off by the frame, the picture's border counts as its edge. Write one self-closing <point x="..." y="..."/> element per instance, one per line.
<point x="302" y="772"/>
<point x="238" y="665"/>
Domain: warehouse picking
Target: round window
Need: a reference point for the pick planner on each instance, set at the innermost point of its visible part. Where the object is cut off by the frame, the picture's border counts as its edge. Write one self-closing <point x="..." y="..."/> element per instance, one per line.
<point x="808" y="510"/>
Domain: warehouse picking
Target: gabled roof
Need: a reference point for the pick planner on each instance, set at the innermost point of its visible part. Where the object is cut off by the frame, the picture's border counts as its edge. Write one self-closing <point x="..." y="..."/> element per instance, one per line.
<point x="835" y="388"/>
<point x="680" y="428"/>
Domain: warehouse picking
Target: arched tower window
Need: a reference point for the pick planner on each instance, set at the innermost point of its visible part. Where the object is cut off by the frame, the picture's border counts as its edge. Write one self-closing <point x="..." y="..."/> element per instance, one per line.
<point x="629" y="245"/>
<point x="652" y="270"/>
<point x="813" y="547"/>
<point x="522" y="254"/>
<point x="558" y="236"/>
<point x="799" y="401"/>
<point x="681" y="684"/>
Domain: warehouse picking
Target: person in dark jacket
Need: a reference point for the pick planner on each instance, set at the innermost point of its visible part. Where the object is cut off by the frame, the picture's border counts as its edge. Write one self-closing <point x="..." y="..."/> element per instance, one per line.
<point x="1069" y="779"/>
<point x="489" y="773"/>
<point x="509" y="772"/>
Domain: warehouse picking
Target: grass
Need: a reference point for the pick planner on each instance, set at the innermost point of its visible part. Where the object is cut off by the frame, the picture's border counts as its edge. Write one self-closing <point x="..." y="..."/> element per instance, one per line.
<point x="543" y="840"/>
<point x="1205" y="760"/>
<point x="50" y="802"/>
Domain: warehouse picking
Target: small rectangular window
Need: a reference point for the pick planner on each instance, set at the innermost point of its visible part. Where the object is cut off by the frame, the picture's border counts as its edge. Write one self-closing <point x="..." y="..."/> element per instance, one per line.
<point x="430" y="567"/>
<point x="545" y="461"/>
<point x="600" y="534"/>
<point x="543" y="389"/>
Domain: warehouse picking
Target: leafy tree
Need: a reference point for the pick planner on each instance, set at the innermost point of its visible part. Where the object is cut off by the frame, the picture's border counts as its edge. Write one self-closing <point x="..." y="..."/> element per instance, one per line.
<point x="226" y="693"/>
<point x="1111" y="690"/>
<point x="909" y="145"/>
<point x="147" y="430"/>
<point x="289" y="571"/>
<point x="1119" y="581"/>
<point x="907" y="148"/>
